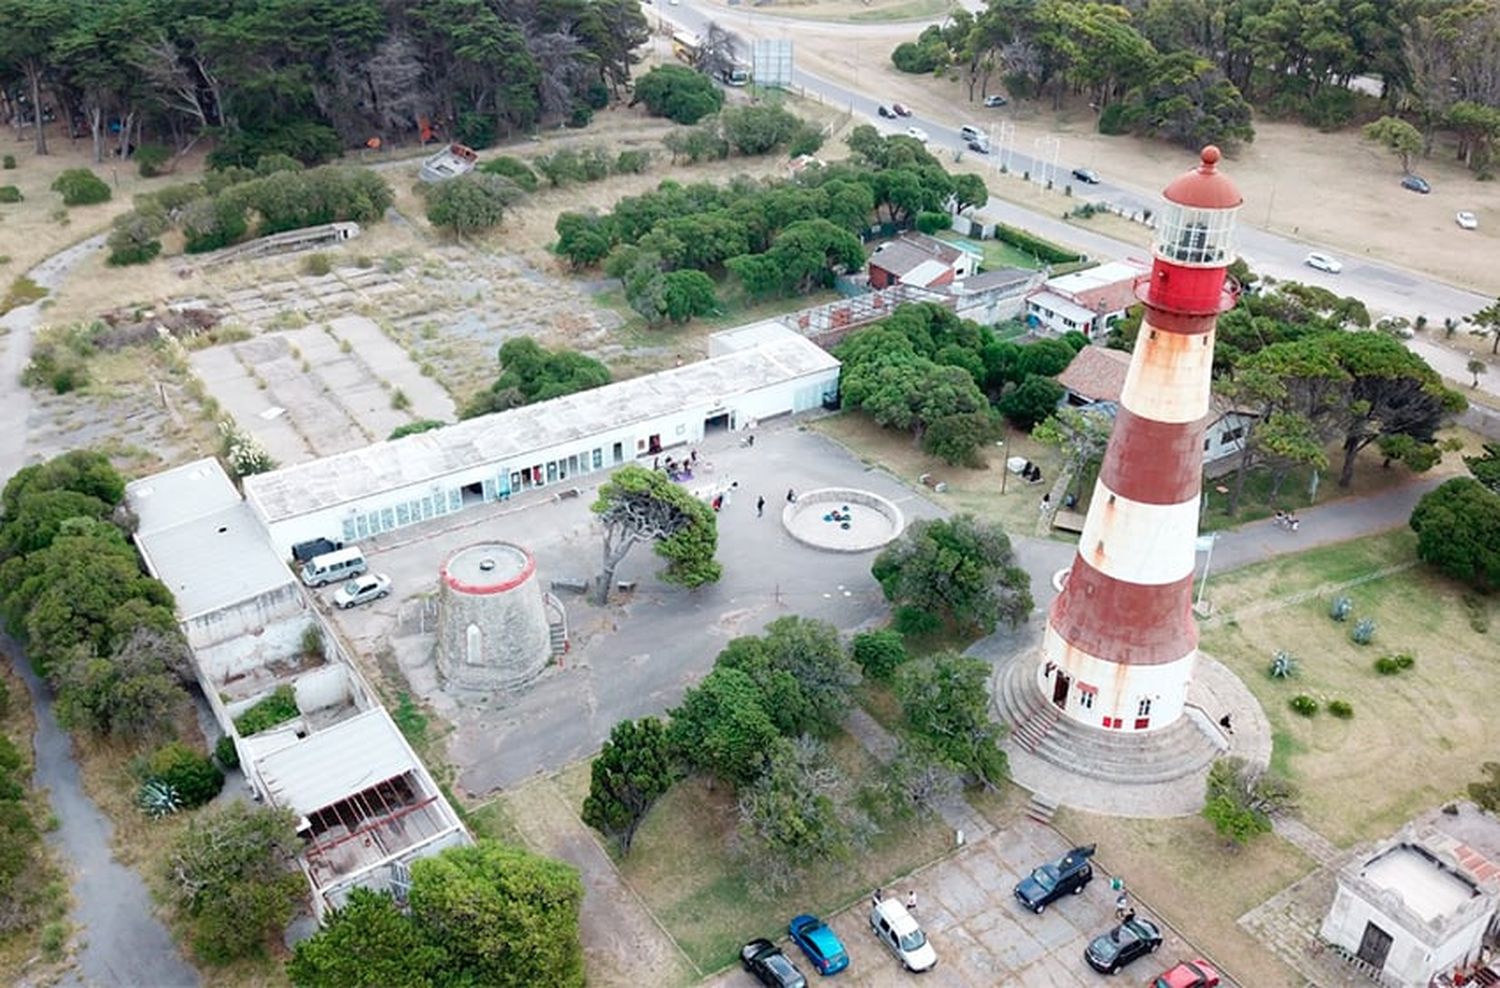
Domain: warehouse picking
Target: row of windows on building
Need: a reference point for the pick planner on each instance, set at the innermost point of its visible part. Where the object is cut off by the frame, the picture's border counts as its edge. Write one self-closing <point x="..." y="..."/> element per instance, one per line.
<point x="497" y="487"/>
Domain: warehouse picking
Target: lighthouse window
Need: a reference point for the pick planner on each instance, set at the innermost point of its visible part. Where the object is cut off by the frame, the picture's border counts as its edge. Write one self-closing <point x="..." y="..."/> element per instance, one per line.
<point x="1085" y="699"/>
<point x="1143" y="709"/>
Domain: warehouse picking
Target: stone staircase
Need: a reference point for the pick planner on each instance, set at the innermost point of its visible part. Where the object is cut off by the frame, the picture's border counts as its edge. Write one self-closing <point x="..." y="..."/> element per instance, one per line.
<point x="557" y="624"/>
<point x="1040" y="808"/>
<point x="1038" y="727"/>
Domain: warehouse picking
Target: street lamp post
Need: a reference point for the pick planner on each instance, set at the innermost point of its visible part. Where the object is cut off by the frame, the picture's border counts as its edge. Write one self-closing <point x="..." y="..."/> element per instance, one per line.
<point x="1004" y="465"/>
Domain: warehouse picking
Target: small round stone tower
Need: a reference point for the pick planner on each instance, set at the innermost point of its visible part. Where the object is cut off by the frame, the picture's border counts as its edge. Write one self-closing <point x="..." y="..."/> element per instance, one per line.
<point x="492" y="627"/>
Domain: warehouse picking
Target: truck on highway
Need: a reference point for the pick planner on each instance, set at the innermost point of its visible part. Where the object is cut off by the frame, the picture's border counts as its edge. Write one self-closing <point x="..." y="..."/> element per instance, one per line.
<point x="687" y="47"/>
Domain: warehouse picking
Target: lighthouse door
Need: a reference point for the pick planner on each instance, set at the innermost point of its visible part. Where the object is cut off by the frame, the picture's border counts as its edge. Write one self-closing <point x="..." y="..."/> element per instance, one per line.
<point x="1060" y="690"/>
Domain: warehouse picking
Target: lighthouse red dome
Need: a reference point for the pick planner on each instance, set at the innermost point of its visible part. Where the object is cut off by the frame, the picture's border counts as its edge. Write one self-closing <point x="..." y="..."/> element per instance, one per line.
<point x="1204" y="187"/>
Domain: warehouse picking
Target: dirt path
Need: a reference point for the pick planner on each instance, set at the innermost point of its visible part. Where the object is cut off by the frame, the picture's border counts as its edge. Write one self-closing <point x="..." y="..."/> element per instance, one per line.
<point x="623" y="945"/>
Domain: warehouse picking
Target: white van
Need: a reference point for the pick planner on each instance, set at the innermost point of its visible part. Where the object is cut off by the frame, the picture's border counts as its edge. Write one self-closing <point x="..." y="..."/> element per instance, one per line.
<point x="971" y="133"/>
<point x="895" y="927"/>
<point x="331" y="567"/>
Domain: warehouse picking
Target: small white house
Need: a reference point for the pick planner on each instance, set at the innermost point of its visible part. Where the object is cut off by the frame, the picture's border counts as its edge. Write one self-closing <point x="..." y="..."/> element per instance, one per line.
<point x="1418" y="912"/>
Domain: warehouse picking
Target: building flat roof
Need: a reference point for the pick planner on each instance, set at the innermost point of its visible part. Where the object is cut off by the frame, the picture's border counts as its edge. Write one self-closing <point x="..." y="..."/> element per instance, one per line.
<point x="1062" y="307"/>
<point x="169" y="498"/>
<point x="214" y="561"/>
<point x="1102" y="276"/>
<point x="998" y="278"/>
<point x="1428" y="890"/>
<point x="333" y="764"/>
<point x="511" y="435"/>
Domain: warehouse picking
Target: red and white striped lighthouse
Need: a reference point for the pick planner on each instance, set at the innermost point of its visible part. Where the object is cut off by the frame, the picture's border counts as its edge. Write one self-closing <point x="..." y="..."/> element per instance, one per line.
<point x="1120" y="643"/>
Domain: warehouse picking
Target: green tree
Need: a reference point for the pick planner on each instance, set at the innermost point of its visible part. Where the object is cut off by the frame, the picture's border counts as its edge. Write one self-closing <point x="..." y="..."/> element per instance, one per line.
<point x="501" y="915"/>
<point x="192" y="775"/>
<point x="81" y="187"/>
<point x="40" y="515"/>
<point x="233" y="874"/>
<point x="956" y="439"/>
<point x="32" y="28"/>
<point x="81" y="471"/>
<point x="722" y="727"/>
<point x="470" y="203"/>
<point x="530" y="373"/>
<point x="798" y="811"/>
<point x="879" y="653"/>
<point x="806" y="254"/>
<point x="1458" y="531"/>
<point x="132" y="693"/>
<point x="678" y="93"/>
<point x="686" y="294"/>
<point x="1396" y="136"/>
<point x="1241" y="799"/>
<point x="946" y="703"/>
<point x="633" y="770"/>
<point x="959" y="570"/>
<point x="1488" y="321"/>
<point x="1080" y="434"/>
<point x="1486" y="468"/>
<point x="1034" y="399"/>
<point x="584" y="239"/>
<point x="369" y="943"/>
<point x="639" y="505"/>
<point x="752" y="130"/>
<point x="803" y="672"/>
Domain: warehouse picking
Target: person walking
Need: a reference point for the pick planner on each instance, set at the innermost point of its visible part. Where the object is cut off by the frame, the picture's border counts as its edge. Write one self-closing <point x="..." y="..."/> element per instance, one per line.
<point x="760" y="507"/>
<point x="791" y="496"/>
<point x="911" y="901"/>
<point x="877" y="897"/>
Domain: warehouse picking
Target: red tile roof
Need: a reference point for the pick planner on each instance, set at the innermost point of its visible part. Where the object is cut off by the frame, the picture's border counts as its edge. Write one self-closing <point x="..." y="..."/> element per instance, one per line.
<point x="1097" y="373"/>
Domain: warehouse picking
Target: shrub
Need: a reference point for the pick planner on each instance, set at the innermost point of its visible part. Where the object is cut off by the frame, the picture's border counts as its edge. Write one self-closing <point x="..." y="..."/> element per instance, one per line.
<point x="194" y="777"/>
<point x="399" y="401"/>
<point x="412" y="428"/>
<point x="244" y="455"/>
<point x="158" y="799"/>
<point x="1303" y="704"/>
<point x="9" y="162"/>
<point x="316" y="264"/>
<point x="1391" y="665"/>
<point x="933" y="222"/>
<point x="1342" y="709"/>
<point x="149" y="158"/>
<point x="80" y="187"/>
<point x="678" y="93"/>
<point x="1340" y="608"/>
<point x="1043" y="250"/>
<point x="226" y="754"/>
<point x="278" y="708"/>
<point x="470" y="203"/>
<point x="1364" y="631"/>
<point x="632" y="162"/>
<point x="879" y="653"/>
<point x="270" y="164"/>
<point x="1283" y="665"/>
<point x="514" y="169"/>
<point x="9" y="193"/>
<point x="308" y="141"/>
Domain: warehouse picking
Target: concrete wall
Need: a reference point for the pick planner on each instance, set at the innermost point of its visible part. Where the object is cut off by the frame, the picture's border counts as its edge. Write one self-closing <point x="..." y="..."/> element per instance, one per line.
<point x="252" y="649"/>
<point x="325" y="686"/>
<point x="994" y="306"/>
<point x="245" y="618"/>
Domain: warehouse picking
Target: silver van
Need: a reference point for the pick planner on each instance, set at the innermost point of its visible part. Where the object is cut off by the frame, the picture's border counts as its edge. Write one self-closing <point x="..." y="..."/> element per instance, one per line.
<point x="971" y="133"/>
<point x="331" y="567"/>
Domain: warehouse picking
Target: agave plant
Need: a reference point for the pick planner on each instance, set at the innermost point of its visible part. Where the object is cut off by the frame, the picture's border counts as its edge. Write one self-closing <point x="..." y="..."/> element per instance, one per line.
<point x="1283" y="665"/>
<point x="1364" y="631"/>
<point x="158" y="799"/>
<point x="1341" y="608"/>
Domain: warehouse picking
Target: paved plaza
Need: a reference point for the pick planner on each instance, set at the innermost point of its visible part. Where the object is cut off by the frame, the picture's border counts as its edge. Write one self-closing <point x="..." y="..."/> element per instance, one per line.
<point x="984" y="938"/>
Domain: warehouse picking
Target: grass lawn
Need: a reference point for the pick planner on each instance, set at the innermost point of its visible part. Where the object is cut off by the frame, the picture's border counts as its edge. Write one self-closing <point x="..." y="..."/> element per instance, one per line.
<point x="974" y="491"/>
<point x="996" y="253"/>
<point x="1183" y="870"/>
<point x="683" y="867"/>
<point x="1422" y="733"/>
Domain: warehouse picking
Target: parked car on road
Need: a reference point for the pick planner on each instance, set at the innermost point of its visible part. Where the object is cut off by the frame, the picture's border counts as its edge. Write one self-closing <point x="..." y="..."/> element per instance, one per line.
<point x="1188" y="974"/>
<point x="1069" y="873"/>
<point x="1086" y="175"/>
<point x="886" y="112"/>
<point x="1131" y="940"/>
<point x="1416" y="184"/>
<point x="1323" y="262"/>
<point x="995" y="100"/>
<point x="901" y="111"/>
<point x="821" y="945"/>
<point x="770" y="966"/>
<point x="1466" y="219"/>
<point x="895" y="927"/>
<point x="918" y="133"/>
<point x="361" y="590"/>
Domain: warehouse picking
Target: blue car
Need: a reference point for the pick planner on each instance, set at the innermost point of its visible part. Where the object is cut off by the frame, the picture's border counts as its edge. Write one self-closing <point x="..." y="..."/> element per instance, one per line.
<point x="819" y="943"/>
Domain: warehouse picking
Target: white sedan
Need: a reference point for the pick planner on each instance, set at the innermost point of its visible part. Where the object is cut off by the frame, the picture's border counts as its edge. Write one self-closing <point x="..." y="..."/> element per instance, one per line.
<point x="918" y="133"/>
<point x="363" y="588"/>
<point x="1467" y="220"/>
<point x="1323" y="262"/>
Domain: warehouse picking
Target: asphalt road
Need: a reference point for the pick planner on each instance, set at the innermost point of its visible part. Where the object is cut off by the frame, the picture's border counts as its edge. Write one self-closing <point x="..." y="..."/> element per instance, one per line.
<point x="1385" y="288"/>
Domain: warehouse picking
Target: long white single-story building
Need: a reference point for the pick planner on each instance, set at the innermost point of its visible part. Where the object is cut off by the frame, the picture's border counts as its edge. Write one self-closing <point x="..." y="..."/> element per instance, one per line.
<point x="754" y="372"/>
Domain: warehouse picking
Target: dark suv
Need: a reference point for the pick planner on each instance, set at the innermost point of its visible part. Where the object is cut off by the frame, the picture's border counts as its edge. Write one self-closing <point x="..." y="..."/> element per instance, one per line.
<point x="1069" y="873"/>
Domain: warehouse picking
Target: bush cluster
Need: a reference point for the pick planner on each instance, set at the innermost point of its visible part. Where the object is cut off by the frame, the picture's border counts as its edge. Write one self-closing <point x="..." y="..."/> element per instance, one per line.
<point x="1042" y="250"/>
<point x="1303" y="704"/>
<point x="80" y="187"/>
<point x="192" y="776"/>
<point x="278" y="708"/>
<point x="1390" y="665"/>
<point x="9" y="194"/>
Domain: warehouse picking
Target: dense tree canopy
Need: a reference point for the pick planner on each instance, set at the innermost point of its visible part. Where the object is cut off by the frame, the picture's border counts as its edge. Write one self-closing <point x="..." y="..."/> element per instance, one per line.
<point x="958" y="570"/>
<point x="634" y="769"/>
<point x="946" y="701"/>
<point x="1458" y="531"/>
<point x="310" y="79"/>
<point x="678" y="93"/>
<point x="530" y="373"/>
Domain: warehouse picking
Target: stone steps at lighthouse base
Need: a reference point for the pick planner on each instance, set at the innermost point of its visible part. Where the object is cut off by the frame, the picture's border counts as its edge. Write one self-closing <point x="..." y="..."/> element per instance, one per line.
<point x="1124" y="757"/>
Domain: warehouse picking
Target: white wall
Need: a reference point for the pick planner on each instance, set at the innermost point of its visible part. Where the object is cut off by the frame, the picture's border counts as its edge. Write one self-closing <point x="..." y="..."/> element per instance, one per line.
<point x="325" y="686"/>
<point x="252" y="650"/>
<point x="1120" y="688"/>
<point x="245" y="618"/>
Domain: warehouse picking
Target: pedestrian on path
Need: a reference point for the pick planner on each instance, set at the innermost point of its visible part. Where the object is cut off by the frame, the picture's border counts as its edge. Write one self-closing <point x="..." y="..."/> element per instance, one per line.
<point x="877" y="897"/>
<point x="1224" y="723"/>
<point x="760" y="507"/>
<point x="911" y="901"/>
<point x="791" y="496"/>
<point x="1122" y="905"/>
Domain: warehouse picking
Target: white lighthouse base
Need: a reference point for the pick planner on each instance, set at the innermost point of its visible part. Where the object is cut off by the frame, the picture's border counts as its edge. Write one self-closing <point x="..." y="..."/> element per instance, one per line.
<point x="1158" y="773"/>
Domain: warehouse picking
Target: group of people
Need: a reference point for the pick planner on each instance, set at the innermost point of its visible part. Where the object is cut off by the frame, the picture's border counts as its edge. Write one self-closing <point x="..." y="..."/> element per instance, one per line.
<point x="1288" y="520"/>
<point x="1031" y="473"/>
<point x="677" y="470"/>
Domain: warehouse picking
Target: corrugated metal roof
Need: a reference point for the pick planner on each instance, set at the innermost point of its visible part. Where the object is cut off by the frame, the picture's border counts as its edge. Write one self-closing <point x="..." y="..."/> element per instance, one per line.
<point x="335" y="763"/>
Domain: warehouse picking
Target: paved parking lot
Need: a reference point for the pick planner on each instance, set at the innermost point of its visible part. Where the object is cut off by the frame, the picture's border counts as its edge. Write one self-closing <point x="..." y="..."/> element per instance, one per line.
<point x="984" y="938"/>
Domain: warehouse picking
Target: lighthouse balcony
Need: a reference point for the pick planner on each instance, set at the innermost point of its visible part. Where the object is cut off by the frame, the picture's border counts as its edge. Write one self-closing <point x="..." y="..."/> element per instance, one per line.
<point x="1187" y="291"/>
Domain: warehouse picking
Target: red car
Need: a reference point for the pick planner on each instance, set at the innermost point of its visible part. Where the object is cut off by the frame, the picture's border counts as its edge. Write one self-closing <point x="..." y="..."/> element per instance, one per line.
<point x="1188" y="974"/>
<point x="901" y="111"/>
